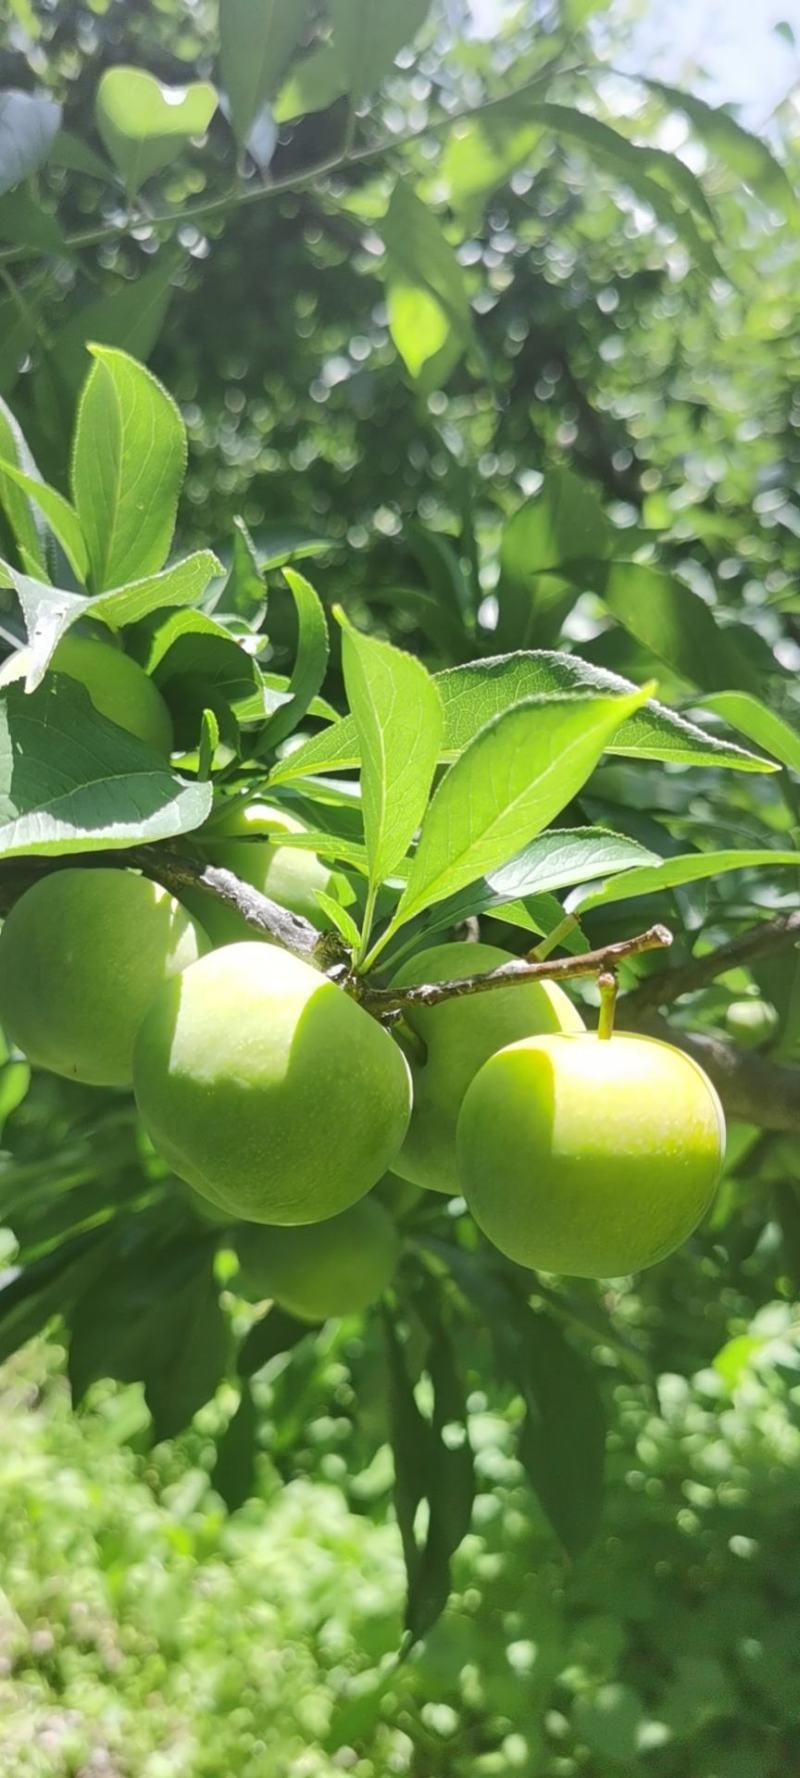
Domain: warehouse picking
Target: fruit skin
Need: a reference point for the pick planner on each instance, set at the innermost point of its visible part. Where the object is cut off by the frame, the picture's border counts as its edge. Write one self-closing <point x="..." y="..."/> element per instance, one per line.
<point x="336" y="1267"/>
<point x="287" y="875"/>
<point x="460" y="1035"/>
<point x="590" y="1157"/>
<point x="82" y="955"/>
<point x="118" y="687"/>
<point x="268" y="1089"/>
<point x="751" y="1022"/>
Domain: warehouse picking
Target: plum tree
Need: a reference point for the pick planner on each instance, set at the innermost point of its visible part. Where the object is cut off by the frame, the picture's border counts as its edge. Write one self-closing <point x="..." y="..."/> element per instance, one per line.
<point x="118" y="687"/>
<point x="288" y="875"/>
<point x="268" y="1089"/>
<point x="590" y="1157"/>
<point x="459" y="1035"/>
<point x="82" y="955"/>
<point x="336" y="1267"/>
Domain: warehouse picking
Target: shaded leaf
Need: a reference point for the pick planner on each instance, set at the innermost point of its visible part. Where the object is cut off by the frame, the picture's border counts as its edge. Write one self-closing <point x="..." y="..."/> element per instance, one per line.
<point x="747" y="155"/>
<point x="677" y="625"/>
<point x="233" y="1474"/>
<point x="257" y="40"/>
<point x="752" y="718"/>
<point x="562" y="1441"/>
<point x="61" y="518"/>
<point x="429" y="313"/>
<point x="72" y="782"/>
<point x="367" y="35"/>
<point x="276" y="1333"/>
<point x="311" y="660"/>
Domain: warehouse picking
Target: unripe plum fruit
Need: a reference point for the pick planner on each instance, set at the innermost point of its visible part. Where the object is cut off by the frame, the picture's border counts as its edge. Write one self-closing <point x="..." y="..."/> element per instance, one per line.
<point x="82" y="955"/>
<point x="459" y="1035"/>
<point x="336" y="1267"/>
<point x="118" y="687"/>
<point x="268" y="1089"/>
<point x="752" y="1022"/>
<point x="287" y="874"/>
<point x="589" y="1156"/>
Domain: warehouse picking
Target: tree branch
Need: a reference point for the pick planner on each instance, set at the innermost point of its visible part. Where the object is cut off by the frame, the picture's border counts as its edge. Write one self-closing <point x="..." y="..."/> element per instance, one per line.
<point x="259" y="193"/>
<point x="561" y="969"/>
<point x="669" y="984"/>
<point x="177" y="872"/>
<point x="752" y="1088"/>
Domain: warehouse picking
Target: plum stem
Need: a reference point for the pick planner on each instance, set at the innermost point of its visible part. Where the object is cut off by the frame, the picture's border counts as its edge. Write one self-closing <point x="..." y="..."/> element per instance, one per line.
<point x="607" y="985"/>
<point x="521" y="969"/>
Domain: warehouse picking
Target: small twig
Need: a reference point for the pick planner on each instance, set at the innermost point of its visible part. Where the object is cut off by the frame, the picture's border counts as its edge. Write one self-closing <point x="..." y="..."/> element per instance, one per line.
<point x="663" y="988"/>
<point x="383" y="1000"/>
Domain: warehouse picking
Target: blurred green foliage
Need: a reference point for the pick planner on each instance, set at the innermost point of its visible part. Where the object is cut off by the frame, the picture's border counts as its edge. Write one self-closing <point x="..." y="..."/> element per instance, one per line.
<point x="146" y="1634"/>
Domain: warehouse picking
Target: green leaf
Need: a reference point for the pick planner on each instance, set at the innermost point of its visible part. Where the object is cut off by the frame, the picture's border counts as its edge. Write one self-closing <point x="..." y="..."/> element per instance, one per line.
<point x="128" y="462"/>
<point x="209" y="742"/>
<point x="17" y="507"/>
<point x="520" y="771"/>
<point x="73" y="153"/>
<point x="28" y="125"/>
<point x="72" y="782"/>
<point x="562" y="1442"/>
<point x="563" y="525"/>
<point x="677" y="625"/>
<point x="200" y="666"/>
<point x="340" y="918"/>
<point x="46" y="1288"/>
<point x="398" y="715"/>
<point x="153" y="1317"/>
<point x="367" y="35"/>
<point x="145" y="125"/>
<point x="429" y="313"/>
<point x="61" y="518"/>
<point x="636" y="167"/>
<point x="276" y="1333"/>
<point x="748" y="156"/>
<point x="310" y="664"/>
<point x="472" y="694"/>
<point x="481" y="154"/>
<point x="233" y="1474"/>
<point x="50" y="611"/>
<point x="257" y="40"/>
<point x="184" y="583"/>
<point x="314" y="84"/>
<point x="752" y="718"/>
<point x="129" y="316"/>
<point x="25" y="223"/>
<point x="244" y="592"/>
<point x="450" y="1484"/>
<point x="689" y="867"/>
<point x="564" y="856"/>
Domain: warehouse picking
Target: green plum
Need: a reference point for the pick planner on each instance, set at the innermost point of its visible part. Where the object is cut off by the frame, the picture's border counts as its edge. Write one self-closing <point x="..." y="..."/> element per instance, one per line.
<point x="459" y="1036"/>
<point x="336" y="1267"/>
<point x="118" y="687"/>
<point x="752" y="1022"/>
<point x="243" y="841"/>
<point x="82" y="955"/>
<point x="268" y="1089"/>
<point x="590" y="1156"/>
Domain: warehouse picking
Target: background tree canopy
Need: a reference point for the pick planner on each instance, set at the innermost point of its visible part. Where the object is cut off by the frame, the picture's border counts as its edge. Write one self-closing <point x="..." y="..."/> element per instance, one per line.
<point x="496" y="345"/>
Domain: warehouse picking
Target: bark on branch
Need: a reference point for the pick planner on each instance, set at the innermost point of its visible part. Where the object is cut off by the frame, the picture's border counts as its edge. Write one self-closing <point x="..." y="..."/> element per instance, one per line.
<point x="761" y="941"/>
<point x="521" y="969"/>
